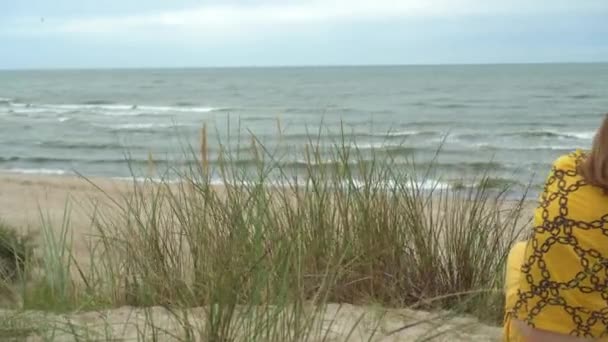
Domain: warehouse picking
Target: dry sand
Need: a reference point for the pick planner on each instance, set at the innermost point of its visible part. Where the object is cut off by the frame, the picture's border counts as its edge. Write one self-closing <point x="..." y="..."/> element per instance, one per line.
<point x="23" y="198"/>
<point x="335" y="324"/>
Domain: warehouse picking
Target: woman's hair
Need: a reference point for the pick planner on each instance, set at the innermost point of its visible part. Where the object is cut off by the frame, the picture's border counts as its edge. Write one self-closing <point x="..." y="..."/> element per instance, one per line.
<point x="595" y="166"/>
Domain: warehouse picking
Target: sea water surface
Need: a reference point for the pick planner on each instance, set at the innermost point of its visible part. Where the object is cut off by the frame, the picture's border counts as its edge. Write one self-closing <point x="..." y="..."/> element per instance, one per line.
<point x="511" y="119"/>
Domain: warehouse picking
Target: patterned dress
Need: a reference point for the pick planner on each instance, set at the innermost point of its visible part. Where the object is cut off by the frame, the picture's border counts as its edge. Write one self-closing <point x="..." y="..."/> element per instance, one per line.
<point x="562" y="283"/>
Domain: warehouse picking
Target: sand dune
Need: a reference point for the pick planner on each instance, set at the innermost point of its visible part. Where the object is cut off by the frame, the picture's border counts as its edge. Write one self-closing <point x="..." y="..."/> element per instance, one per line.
<point x="23" y="199"/>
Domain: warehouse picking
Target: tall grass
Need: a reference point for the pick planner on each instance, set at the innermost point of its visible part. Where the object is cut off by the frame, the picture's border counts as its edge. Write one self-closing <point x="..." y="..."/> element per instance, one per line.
<point x="264" y="253"/>
<point x="15" y="252"/>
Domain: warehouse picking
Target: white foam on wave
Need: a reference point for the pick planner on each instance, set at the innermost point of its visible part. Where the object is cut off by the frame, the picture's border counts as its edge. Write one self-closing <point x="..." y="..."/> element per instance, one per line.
<point x="138" y="126"/>
<point x="582" y="135"/>
<point x="112" y="107"/>
<point x="180" y="109"/>
<point x="527" y="147"/>
<point x="585" y="135"/>
<point x="37" y="171"/>
<point x="400" y="133"/>
<point x="145" y="179"/>
<point x="122" y="109"/>
<point x="373" y="145"/>
<point x="553" y="147"/>
<point x="369" y="146"/>
<point x="106" y="109"/>
<point x="381" y="146"/>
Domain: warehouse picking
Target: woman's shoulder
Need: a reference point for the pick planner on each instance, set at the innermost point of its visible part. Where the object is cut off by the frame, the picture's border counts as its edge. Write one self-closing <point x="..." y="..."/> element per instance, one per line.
<point x="570" y="161"/>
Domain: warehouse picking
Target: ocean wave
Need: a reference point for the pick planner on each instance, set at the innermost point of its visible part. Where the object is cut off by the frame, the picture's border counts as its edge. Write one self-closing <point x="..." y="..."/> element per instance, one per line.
<point x="39" y="160"/>
<point x="373" y="145"/>
<point x="328" y="139"/>
<point x="550" y="134"/>
<point x="472" y="165"/>
<point x="401" y="150"/>
<point x="384" y="146"/>
<point x="312" y="136"/>
<point x="583" y="96"/>
<point x="531" y="123"/>
<point x="402" y="134"/>
<point x="452" y="106"/>
<point x="534" y="134"/>
<point x="185" y="104"/>
<point x="260" y="118"/>
<point x="470" y="136"/>
<point x="312" y="163"/>
<point x="98" y="102"/>
<point x="553" y="134"/>
<point x="83" y="145"/>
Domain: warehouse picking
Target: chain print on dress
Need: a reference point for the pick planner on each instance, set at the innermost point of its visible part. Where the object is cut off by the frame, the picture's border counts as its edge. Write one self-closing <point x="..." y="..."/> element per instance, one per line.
<point x="544" y="292"/>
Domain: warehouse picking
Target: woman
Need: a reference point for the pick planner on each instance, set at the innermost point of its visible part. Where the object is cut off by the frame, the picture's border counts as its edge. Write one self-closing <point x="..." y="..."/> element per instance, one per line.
<point x="557" y="281"/>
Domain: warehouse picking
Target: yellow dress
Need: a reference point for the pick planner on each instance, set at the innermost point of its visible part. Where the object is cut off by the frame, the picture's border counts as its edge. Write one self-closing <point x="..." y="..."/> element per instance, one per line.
<point x="558" y="280"/>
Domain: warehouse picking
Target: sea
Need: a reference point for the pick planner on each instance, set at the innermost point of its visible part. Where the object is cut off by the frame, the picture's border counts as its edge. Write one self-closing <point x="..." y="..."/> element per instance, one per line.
<point x="507" y="121"/>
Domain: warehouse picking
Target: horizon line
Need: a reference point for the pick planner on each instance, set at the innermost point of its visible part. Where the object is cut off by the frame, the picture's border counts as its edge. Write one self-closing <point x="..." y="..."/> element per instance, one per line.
<point x="293" y="66"/>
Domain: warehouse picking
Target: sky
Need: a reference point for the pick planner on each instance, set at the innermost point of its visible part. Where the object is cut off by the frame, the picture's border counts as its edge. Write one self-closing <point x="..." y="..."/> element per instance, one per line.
<point x="38" y="34"/>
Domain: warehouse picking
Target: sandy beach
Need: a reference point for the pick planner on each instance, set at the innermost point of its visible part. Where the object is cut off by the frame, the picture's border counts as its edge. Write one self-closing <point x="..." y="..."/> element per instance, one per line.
<point x="26" y="201"/>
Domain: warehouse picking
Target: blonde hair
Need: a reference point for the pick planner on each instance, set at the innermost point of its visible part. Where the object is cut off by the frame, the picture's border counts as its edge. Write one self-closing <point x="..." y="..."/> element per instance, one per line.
<point x="595" y="166"/>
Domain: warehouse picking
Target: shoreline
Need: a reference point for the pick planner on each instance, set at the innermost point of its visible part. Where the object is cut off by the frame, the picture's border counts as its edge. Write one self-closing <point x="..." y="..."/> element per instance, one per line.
<point x="26" y="189"/>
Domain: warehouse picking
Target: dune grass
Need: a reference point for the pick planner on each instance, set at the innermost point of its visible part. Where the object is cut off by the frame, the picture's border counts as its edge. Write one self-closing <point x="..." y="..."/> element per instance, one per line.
<point x="15" y="252"/>
<point x="266" y="252"/>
